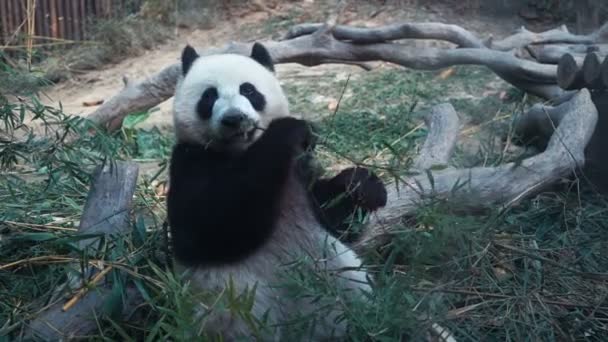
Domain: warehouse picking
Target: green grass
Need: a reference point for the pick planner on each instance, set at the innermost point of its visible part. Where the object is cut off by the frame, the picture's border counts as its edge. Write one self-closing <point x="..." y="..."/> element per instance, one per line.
<point x="532" y="272"/>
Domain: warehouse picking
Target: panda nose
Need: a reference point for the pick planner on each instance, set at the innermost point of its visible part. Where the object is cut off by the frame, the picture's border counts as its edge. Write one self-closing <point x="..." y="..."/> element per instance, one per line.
<point x="233" y="120"/>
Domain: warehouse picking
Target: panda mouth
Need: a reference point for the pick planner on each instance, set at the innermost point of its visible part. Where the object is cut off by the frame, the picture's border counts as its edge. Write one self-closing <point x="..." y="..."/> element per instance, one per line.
<point x="242" y="136"/>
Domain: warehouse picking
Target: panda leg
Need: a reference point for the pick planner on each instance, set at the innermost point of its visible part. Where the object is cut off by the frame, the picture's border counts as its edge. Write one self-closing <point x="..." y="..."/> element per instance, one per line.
<point x="339" y="198"/>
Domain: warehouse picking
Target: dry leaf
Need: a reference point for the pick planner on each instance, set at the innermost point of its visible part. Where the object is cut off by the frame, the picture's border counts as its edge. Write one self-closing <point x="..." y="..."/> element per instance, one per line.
<point x="92" y="103"/>
<point x="446" y="73"/>
<point x="332" y="105"/>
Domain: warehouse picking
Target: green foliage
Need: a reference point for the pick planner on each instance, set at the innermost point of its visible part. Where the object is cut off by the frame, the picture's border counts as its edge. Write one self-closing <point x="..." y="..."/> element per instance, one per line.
<point x="532" y="272"/>
<point x="46" y="160"/>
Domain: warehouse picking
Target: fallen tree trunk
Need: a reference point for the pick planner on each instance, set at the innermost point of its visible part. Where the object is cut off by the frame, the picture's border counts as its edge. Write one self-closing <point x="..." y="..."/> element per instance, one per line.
<point x="552" y="53"/>
<point x="569" y="73"/>
<point x="106" y="212"/>
<point x="591" y="71"/>
<point x="315" y="44"/>
<point x="604" y="72"/>
<point x="504" y="185"/>
<point x="443" y="127"/>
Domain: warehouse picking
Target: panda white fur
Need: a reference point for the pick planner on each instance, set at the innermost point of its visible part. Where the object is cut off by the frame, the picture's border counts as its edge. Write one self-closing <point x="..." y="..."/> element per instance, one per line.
<point x="239" y="204"/>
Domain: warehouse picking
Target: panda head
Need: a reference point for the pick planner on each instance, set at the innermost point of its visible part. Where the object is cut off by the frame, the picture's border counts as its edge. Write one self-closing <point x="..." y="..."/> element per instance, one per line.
<point x="225" y="101"/>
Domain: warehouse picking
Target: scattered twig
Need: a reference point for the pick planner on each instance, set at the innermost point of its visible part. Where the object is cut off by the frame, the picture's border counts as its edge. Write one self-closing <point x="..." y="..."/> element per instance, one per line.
<point x="481" y="294"/>
<point x="96" y="279"/>
<point x="588" y="275"/>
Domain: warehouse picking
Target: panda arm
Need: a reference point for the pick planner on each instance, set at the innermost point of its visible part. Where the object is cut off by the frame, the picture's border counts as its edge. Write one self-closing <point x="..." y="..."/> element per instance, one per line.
<point x="222" y="209"/>
<point x="339" y="197"/>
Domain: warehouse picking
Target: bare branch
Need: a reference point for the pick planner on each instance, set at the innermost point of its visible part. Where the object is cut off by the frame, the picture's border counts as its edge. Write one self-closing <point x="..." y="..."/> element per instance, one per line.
<point x="560" y="35"/>
<point x="450" y="33"/>
<point x="483" y="187"/>
<point x="552" y="53"/>
<point x="536" y="126"/>
<point x="320" y="47"/>
<point x="137" y="96"/>
<point x="443" y="124"/>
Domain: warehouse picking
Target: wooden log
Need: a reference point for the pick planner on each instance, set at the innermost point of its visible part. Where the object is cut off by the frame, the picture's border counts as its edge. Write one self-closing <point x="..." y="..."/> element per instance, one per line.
<point x="443" y="125"/>
<point x="569" y="73"/>
<point x="596" y="167"/>
<point x="552" y="53"/>
<point x="591" y="71"/>
<point x="106" y="212"/>
<point x="485" y="187"/>
<point x="107" y="207"/>
<point x="536" y="126"/>
<point x="604" y="72"/>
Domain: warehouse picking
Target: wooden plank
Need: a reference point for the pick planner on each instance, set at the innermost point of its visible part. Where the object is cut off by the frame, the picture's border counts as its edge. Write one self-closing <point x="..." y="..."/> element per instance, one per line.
<point x="4" y="20"/>
<point x="39" y="21"/>
<point x="107" y="8"/>
<point x="98" y="7"/>
<point x="47" y="18"/>
<point x="53" y="18"/>
<point x="9" y="19"/>
<point x="67" y="19"/>
<point x="75" y="14"/>
<point x="74" y="17"/>
<point x="83" y="18"/>
<point x="19" y="18"/>
<point x="61" y="18"/>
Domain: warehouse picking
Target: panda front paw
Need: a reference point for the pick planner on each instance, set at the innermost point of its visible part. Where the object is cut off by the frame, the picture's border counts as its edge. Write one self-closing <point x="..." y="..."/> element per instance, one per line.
<point x="364" y="188"/>
<point x="292" y="132"/>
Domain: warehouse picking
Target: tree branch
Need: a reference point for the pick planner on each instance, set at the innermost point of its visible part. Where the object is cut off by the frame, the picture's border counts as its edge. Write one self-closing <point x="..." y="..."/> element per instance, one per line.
<point x="439" y="31"/>
<point x="137" y="96"/>
<point x="552" y="53"/>
<point x="483" y="187"/>
<point x="321" y="47"/>
<point x="523" y="37"/>
<point x="443" y="125"/>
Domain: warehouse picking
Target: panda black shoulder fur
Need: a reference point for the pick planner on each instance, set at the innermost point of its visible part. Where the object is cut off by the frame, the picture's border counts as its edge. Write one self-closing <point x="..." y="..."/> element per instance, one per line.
<point x="239" y="204"/>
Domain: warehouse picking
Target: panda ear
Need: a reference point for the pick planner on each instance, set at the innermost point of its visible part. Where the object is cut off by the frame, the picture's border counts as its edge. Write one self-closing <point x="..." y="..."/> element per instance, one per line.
<point x="262" y="56"/>
<point x="189" y="55"/>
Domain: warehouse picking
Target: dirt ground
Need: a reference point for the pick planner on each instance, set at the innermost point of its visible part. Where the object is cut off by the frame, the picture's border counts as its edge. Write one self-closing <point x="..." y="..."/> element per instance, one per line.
<point x="103" y="84"/>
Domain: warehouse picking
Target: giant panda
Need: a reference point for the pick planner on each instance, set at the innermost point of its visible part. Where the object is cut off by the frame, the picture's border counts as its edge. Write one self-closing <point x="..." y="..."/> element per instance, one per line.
<point x="244" y="201"/>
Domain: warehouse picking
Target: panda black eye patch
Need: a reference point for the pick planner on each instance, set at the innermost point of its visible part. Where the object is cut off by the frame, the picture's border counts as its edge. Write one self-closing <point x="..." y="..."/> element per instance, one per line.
<point x="256" y="98"/>
<point x="204" y="107"/>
